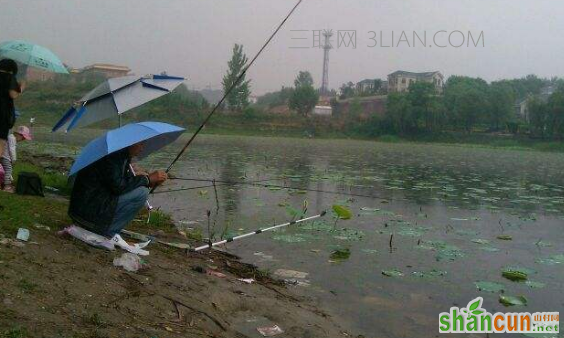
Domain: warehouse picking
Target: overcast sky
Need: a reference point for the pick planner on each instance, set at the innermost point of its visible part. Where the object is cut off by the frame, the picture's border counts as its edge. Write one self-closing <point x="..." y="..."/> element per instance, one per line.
<point x="194" y="38"/>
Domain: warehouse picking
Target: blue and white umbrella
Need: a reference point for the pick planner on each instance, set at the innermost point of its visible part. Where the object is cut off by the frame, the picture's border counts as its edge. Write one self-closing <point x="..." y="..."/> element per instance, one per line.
<point x="155" y="135"/>
<point x="116" y="96"/>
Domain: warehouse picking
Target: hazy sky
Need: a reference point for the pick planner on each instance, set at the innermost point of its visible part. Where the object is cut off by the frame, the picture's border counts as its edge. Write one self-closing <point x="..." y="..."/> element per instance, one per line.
<point x="194" y="38"/>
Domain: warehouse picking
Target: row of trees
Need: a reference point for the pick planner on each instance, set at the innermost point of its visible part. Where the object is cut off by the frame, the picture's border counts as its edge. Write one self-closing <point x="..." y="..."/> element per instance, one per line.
<point x="468" y="103"/>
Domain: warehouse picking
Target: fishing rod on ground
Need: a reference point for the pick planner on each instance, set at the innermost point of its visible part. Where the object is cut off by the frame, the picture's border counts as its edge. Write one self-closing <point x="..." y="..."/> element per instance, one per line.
<point x="231" y="88"/>
<point x="256" y="232"/>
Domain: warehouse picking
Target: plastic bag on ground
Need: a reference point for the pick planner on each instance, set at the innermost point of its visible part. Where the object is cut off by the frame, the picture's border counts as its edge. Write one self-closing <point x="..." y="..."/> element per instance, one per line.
<point x="129" y="262"/>
<point x="134" y="249"/>
<point x="88" y="237"/>
<point x="270" y="331"/>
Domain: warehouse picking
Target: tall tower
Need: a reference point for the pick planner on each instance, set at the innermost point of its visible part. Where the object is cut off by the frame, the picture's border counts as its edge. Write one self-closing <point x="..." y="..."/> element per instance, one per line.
<point x="327" y="34"/>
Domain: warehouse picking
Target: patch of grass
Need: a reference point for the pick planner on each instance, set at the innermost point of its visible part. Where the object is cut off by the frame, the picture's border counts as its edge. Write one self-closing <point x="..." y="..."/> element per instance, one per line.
<point x="96" y="320"/>
<point x="26" y="285"/>
<point x="263" y="273"/>
<point x="195" y="234"/>
<point x="16" y="332"/>
<point x="389" y="138"/>
<point x="24" y="211"/>
<point x="160" y="220"/>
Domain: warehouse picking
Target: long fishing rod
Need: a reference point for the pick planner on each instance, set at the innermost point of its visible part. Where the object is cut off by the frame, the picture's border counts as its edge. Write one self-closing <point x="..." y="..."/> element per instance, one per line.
<point x="231" y="88"/>
<point x="256" y="232"/>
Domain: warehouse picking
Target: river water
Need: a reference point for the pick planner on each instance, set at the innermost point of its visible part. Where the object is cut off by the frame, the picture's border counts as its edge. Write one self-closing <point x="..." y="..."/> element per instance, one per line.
<point x="438" y="219"/>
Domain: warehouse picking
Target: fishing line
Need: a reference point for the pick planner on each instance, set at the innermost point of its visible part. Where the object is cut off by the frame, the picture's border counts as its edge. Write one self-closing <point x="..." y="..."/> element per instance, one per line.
<point x="231" y="88"/>
<point x="258" y="184"/>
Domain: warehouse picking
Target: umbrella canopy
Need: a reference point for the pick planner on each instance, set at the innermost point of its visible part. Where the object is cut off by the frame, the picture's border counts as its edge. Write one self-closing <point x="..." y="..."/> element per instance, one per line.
<point x="155" y="135"/>
<point x="32" y="55"/>
<point x="116" y="96"/>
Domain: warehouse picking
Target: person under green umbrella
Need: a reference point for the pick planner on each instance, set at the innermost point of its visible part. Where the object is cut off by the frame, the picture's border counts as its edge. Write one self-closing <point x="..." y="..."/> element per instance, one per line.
<point x="10" y="89"/>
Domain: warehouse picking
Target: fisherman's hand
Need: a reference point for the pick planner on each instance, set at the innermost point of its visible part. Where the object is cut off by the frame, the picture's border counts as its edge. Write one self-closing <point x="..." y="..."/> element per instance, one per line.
<point x="157" y="178"/>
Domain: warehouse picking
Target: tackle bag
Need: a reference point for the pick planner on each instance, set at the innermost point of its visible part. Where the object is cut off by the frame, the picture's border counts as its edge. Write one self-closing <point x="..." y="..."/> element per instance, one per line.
<point x="29" y="184"/>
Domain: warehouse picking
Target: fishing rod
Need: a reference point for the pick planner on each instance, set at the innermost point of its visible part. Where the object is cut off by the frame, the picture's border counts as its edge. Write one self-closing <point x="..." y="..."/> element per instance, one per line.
<point x="231" y="88"/>
<point x="256" y="232"/>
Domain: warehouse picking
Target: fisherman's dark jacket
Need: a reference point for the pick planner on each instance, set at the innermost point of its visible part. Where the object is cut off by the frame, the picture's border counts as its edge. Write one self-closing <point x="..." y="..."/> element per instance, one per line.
<point x="97" y="189"/>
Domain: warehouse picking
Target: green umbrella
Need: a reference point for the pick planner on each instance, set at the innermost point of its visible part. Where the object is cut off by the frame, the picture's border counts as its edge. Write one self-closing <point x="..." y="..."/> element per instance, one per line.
<point x="32" y="55"/>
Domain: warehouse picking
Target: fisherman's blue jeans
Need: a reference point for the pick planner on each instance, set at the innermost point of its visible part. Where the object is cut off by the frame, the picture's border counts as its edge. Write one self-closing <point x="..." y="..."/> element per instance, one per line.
<point x="128" y="207"/>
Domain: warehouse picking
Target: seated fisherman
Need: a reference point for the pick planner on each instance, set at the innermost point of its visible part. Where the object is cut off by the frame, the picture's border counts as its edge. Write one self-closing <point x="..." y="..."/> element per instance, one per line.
<point x="106" y="195"/>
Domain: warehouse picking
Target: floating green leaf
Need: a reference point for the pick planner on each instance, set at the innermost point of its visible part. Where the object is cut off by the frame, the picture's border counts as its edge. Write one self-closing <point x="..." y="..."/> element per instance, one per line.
<point x="369" y="251"/>
<point x="490" y="286"/>
<point x="392" y="273"/>
<point x="480" y="241"/>
<point x="552" y="260"/>
<point x="294" y="238"/>
<point x="429" y="274"/>
<point x="535" y="285"/>
<point x="512" y="300"/>
<point x="514" y="275"/>
<point x="489" y="249"/>
<point x="348" y="235"/>
<point x="317" y="226"/>
<point x="341" y="254"/>
<point x="505" y="237"/>
<point x="342" y="212"/>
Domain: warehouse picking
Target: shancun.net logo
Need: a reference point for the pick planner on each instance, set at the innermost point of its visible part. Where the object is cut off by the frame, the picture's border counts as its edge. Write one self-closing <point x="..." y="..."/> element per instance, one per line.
<point x="474" y="319"/>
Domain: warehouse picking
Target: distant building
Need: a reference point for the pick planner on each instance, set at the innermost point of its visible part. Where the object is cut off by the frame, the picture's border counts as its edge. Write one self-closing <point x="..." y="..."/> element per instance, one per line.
<point x="368" y="87"/>
<point x="522" y="105"/>
<point x="253" y="99"/>
<point x="365" y="86"/>
<point x="399" y="82"/>
<point x="323" y="110"/>
<point x="106" y="70"/>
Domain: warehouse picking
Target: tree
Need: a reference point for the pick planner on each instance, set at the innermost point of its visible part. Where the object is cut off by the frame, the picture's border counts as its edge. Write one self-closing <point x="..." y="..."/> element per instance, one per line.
<point x="347" y="90"/>
<point x="500" y="101"/>
<point x="275" y="99"/>
<point x="304" y="97"/>
<point x="303" y="79"/>
<point x="466" y="100"/>
<point x="421" y="96"/>
<point x="238" y="99"/>
<point x="399" y="113"/>
<point x="539" y="117"/>
<point x="556" y="108"/>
